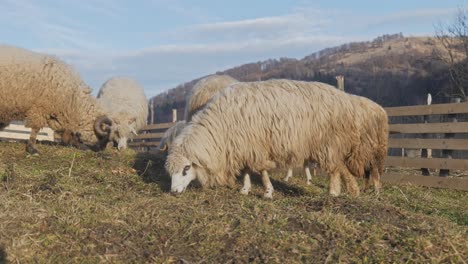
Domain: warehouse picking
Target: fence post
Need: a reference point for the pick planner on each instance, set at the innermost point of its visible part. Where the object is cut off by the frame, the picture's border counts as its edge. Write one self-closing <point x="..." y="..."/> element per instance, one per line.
<point x="174" y="115"/>
<point x="447" y="153"/>
<point x="151" y="111"/>
<point x="426" y="153"/>
<point x="340" y="82"/>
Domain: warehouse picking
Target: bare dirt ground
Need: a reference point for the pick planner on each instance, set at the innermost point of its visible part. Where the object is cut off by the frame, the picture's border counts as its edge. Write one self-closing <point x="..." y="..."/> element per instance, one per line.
<point x="70" y="206"/>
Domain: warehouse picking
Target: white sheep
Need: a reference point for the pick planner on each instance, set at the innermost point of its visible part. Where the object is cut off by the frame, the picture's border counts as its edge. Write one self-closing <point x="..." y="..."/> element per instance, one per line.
<point x="42" y="90"/>
<point x="198" y="97"/>
<point x="125" y="102"/>
<point x="255" y="126"/>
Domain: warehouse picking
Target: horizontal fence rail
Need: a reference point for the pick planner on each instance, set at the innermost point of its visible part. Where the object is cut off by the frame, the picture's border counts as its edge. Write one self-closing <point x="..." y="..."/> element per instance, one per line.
<point x="418" y="143"/>
<point x="432" y="163"/>
<point x="435" y="109"/>
<point x="20" y="132"/>
<point x="461" y="127"/>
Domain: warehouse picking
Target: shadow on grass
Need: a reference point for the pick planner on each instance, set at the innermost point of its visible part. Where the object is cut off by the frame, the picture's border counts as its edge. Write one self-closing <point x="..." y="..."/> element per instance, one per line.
<point x="3" y="256"/>
<point x="150" y="167"/>
<point x="279" y="186"/>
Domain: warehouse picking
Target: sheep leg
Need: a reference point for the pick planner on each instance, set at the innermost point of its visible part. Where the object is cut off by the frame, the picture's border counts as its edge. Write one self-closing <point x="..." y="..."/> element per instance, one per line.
<point x="289" y="175"/>
<point x="3" y="125"/>
<point x="366" y="180"/>
<point x="351" y="183"/>
<point x="335" y="184"/>
<point x="375" y="178"/>
<point x="307" y="172"/>
<point x="308" y="175"/>
<point x="31" y="145"/>
<point x="247" y="185"/>
<point x="267" y="184"/>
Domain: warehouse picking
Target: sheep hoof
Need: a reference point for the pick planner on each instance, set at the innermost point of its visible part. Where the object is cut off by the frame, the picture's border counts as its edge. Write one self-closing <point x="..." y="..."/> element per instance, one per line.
<point x="309" y="183"/>
<point x="31" y="150"/>
<point x="244" y="191"/>
<point x="334" y="194"/>
<point x="286" y="179"/>
<point x="268" y="195"/>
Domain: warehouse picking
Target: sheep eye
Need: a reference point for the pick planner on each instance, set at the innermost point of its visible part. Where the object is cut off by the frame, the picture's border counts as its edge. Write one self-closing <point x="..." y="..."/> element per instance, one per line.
<point x="186" y="168"/>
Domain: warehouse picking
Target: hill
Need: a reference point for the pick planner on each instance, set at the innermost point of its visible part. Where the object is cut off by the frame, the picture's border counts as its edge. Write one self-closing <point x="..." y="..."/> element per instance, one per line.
<point x="72" y="206"/>
<point x="392" y="70"/>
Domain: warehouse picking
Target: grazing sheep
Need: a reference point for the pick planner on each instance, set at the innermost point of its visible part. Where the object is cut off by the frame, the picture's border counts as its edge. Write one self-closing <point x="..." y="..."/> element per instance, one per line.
<point x="169" y="136"/>
<point x="125" y="102"/>
<point x="200" y="94"/>
<point x="198" y="97"/>
<point x="255" y="126"/>
<point x="42" y="90"/>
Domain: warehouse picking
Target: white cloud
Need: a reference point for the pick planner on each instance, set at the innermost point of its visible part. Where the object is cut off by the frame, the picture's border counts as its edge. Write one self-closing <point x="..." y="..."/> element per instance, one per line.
<point x="290" y="25"/>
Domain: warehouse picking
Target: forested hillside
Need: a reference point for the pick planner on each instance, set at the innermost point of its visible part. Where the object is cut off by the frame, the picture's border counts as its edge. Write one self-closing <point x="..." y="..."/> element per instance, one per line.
<point x="392" y="70"/>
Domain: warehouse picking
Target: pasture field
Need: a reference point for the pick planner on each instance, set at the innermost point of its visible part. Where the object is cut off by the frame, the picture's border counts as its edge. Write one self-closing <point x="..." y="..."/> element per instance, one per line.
<point x="72" y="206"/>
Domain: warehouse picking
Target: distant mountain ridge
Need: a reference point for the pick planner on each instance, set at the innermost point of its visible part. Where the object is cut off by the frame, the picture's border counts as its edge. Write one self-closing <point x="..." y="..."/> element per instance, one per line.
<point x="391" y="70"/>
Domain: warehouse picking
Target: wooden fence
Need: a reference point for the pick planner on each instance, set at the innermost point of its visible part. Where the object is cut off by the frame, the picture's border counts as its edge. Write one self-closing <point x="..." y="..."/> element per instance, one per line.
<point x="17" y="131"/>
<point x="149" y="136"/>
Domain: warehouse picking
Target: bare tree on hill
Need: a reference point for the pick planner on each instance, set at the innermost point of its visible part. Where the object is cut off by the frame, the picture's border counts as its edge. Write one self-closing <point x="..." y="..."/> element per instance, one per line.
<point x="454" y="40"/>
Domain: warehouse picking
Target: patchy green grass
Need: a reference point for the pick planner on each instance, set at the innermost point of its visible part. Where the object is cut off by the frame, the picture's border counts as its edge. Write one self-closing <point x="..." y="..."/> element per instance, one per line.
<point x="68" y="206"/>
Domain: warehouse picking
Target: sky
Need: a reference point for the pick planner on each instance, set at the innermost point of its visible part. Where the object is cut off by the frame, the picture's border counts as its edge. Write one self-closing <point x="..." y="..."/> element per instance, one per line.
<point x="163" y="43"/>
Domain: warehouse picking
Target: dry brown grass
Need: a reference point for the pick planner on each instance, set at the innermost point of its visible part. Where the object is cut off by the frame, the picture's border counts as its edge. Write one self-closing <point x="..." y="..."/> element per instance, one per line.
<point x="114" y="207"/>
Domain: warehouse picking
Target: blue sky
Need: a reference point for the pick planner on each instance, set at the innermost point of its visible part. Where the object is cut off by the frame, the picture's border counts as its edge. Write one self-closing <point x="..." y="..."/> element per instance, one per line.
<point x="162" y="43"/>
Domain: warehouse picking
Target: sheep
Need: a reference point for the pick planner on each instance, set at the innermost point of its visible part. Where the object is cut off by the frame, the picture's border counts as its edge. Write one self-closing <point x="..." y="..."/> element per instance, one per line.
<point x="255" y="126"/>
<point x="42" y="90"/>
<point x="125" y="102"/>
<point x="169" y="136"/>
<point x="198" y="97"/>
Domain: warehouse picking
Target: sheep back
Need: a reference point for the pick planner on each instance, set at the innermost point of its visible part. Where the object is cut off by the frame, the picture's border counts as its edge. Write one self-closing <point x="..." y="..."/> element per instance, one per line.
<point x="203" y="91"/>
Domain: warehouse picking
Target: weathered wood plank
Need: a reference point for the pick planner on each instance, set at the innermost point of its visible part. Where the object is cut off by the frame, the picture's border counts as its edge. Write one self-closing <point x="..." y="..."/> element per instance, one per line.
<point x="454" y="144"/>
<point x="433" y="163"/>
<point x="435" y="109"/>
<point x="157" y="126"/>
<point x="149" y="135"/>
<point x="144" y="144"/>
<point x="427" y="181"/>
<point x="460" y="127"/>
<point x="20" y="132"/>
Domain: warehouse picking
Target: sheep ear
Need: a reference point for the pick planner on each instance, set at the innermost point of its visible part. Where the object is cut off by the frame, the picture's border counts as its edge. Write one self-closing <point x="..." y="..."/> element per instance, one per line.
<point x="196" y="163"/>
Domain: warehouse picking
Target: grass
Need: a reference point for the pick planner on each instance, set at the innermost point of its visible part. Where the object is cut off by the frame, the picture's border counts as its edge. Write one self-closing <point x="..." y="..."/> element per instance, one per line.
<point x="114" y="207"/>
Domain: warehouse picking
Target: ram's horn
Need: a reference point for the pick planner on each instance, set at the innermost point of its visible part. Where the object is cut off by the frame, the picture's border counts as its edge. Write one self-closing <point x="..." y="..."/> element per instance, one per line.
<point x="103" y="121"/>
